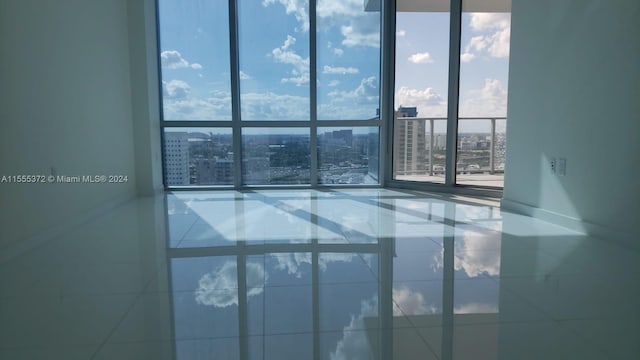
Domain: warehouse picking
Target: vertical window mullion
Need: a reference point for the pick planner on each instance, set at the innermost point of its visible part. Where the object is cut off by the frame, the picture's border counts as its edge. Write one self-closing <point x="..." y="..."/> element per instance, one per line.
<point x="454" y="92"/>
<point x="313" y="94"/>
<point x="235" y="93"/>
<point x="388" y="54"/>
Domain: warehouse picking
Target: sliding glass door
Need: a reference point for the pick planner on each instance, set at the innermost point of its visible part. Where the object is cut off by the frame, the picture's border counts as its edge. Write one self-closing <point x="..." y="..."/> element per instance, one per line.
<point x="450" y="75"/>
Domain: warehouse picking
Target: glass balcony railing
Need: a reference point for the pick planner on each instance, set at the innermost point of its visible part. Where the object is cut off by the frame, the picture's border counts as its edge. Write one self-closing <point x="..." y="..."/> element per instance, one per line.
<point x="420" y="150"/>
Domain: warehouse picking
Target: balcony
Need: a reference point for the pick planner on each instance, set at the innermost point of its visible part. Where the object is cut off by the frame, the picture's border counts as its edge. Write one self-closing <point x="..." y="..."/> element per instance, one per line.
<point x="420" y="150"/>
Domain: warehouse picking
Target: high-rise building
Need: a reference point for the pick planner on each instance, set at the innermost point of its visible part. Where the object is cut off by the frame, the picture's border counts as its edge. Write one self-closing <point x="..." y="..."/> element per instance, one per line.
<point x="410" y="145"/>
<point x="345" y="135"/>
<point x="213" y="171"/>
<point x="177" y="158"/>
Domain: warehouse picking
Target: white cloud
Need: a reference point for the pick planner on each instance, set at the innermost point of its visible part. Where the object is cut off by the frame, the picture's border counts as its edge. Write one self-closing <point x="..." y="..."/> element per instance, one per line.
<point x="408" y="97"/>
<point x="296" y="7"/>
<point x="496" y="37"/>
<point x="401" y="33"/>
<point x="477" y="43"/>
<point x="338" y="51"/>
<point x="215" y="107"/>
<point x="272" y="106"/>
<point x="477" y="255"/>
<point x="359" y="103"/>
<point x="286" y="55"/>
<point x="493" y="90"/>
<point x="362" y="28"/>
<point x="220" y="287"/>
<point x="428" y="101"/>
<point x="421" y="58"/>
<point x="339" y="70"/>
<point x="172" y="59"/>
<point x="491" y="100"/>
<point x="410" y="303"/>
<point x="361" y="31"/>
<point x="334" y="83"/>
<point x="366" y="91"/>
<point x="175" y="89"/>
<point x="476" y="308"/>
<point x="359" y="28"/>
<point x="244" y="75"/>
<point x="354" y="344"/>
<point x="467" y="57"/>
<point x="346" y="8"/>
<point x="486" y="21"/>
<point x="496" y="44"/>
<point x="499" y="43"/>
<point x="291" y="262"/>
<point x="327" y="258"/>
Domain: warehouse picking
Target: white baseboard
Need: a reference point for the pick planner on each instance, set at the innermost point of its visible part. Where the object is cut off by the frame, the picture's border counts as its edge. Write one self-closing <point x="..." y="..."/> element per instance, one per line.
<point x="592" y="229"/>
<point x="22" y="246"/>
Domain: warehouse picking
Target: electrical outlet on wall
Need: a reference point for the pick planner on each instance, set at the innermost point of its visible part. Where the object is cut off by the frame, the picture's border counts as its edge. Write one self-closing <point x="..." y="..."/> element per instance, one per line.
<point x="553" y="163"/>
<point x="562" y="167"/>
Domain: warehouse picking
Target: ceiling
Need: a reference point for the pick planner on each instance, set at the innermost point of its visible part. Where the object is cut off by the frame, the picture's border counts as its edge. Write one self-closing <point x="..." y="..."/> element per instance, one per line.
<point x="443" y="5"/>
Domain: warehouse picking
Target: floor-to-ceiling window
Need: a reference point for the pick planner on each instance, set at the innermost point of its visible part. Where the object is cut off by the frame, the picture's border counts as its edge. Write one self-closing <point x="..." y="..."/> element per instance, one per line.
<point x="270" y="92"/>
<point x="274" y="92"/>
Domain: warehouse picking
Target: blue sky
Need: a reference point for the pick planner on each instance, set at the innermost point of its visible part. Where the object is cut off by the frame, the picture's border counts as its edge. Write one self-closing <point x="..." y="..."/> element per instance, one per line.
<point x="274" y="61"/>
<point x="422" y="47"/>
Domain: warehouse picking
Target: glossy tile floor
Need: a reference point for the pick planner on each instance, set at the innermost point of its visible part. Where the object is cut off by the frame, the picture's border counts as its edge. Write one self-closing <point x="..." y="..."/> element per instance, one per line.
<point x="343" y="274"/>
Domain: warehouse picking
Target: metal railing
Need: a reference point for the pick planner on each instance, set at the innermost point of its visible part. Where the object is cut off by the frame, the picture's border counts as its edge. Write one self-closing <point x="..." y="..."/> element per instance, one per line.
<point x="431" y="120"/>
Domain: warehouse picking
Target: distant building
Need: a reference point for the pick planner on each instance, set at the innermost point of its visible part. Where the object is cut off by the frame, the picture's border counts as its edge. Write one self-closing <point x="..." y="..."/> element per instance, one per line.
<point x="257" y="170"/>
<point x="223" y="171"/>
<point x="176" y="148"/>
<point x="213" y="171"/>
<point x="410" y="146"/>
<point x="345" y="135"/>
<point x="411" y="111"/>
<point x="440" y="141"/>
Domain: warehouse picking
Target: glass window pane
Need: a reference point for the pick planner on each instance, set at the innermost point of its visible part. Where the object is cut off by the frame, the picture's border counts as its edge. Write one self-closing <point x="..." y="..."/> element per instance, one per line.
<point x="484" y="68"/>
<point x="194" y="57"/>
<point x="348" y="47"/>
<point x="274" y="60"/>
<point x="198" y="156"/>
<point x="422" y="63"/>
<point x="275" y="156"/>
<point x="348" y="155"/>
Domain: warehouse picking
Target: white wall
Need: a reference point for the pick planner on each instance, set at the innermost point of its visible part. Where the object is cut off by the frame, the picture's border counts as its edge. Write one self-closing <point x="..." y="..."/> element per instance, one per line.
<point x="574" y="92"/>
<point x="145" y="95"/>
<point x="65" y="101"/>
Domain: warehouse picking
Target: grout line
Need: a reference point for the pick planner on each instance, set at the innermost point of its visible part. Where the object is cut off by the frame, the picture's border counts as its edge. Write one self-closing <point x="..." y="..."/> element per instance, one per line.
<point x="124" y="316"/>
